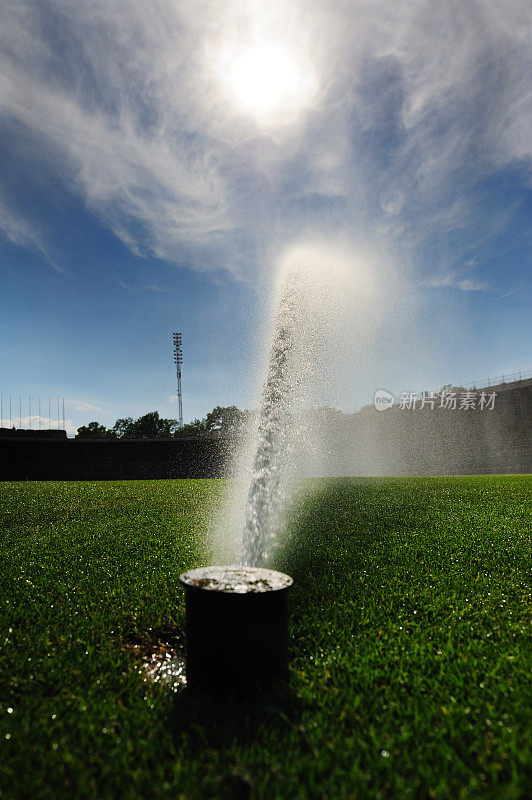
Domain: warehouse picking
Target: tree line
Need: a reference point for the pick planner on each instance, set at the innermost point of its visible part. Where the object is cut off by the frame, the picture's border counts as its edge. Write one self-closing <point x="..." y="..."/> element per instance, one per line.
<point x="221" y="420"/>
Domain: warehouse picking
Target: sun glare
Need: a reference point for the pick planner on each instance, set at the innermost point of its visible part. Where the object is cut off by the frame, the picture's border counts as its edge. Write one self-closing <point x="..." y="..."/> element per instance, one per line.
<point x="268" y="83"/>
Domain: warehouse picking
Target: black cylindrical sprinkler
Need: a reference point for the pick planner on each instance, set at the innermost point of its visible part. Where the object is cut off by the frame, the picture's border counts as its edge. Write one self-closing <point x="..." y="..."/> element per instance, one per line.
<point x="236" y="627"/>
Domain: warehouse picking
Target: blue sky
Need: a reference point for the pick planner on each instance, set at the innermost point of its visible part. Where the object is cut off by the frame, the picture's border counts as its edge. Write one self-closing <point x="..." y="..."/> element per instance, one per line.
<point x="158" y="160"/>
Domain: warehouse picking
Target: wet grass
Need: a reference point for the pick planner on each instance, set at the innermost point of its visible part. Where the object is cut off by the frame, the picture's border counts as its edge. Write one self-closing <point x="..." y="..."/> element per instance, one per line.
<point x="410" y="651"/>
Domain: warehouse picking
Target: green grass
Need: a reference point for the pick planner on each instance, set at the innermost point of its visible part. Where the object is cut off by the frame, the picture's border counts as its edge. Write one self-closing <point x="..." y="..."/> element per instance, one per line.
<point x="409" y="641"/>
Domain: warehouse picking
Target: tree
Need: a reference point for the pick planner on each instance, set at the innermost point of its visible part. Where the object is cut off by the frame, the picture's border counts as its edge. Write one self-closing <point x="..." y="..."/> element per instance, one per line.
<point x="95" y="431"/>
<point x="450" y="389"/>
<point x="122" y="427"/>
<point x="150" y="426"/>
<point x="197" y="427"/>
<point x="221" y="420"/>
<point x="226" y="420"/>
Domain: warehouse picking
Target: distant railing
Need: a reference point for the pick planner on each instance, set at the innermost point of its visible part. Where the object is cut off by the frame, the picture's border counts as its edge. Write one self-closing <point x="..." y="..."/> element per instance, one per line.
<point x="506" y="379"/>
<point x="511" y="377"/>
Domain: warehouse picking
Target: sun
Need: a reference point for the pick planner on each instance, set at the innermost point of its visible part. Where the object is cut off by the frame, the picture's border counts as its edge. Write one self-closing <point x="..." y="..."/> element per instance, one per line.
<point x="268" y="82"/>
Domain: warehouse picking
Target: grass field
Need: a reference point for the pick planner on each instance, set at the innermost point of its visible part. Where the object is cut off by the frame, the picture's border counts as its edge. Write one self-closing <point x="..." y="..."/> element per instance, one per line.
<point x="409" y="643"/>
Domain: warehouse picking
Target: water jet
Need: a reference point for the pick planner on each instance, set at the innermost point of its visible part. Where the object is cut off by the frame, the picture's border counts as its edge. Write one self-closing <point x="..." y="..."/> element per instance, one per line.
<point x="236" y="627"/>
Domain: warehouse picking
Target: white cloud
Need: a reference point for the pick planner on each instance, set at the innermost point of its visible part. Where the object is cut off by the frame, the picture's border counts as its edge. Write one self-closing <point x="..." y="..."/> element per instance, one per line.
<point x="87" y="407"/>
<point x="413" y="104"/>
<point x="469" y="285"/>
<point x="36" y="423"/>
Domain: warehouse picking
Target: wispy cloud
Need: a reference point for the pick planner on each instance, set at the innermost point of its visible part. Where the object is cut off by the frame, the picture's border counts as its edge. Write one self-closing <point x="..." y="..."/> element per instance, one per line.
<point x="20" y="231"/>
<point x="154" y="288"/>
<point x="415" y="107"/>
<point x="455" y="281"/>
<point x="513" y="291"/>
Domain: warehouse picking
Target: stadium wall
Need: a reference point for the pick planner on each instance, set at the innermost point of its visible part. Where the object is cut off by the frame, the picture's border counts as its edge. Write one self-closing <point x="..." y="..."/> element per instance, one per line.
<point x="392" y="442"/>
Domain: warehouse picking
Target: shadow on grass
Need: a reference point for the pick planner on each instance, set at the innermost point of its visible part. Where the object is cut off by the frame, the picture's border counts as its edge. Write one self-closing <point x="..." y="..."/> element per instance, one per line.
<point x="333" y="529"/>
<point x="200" y="718"/>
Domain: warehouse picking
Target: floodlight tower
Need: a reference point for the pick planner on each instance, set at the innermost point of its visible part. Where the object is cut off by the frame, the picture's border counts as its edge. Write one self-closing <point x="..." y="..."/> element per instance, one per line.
<point x="178" y="360"/>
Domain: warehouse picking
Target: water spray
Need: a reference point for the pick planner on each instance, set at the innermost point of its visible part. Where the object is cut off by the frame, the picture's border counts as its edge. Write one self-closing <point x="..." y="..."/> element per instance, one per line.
<point x="272" y="447"/>
<point x="236" y="616"/>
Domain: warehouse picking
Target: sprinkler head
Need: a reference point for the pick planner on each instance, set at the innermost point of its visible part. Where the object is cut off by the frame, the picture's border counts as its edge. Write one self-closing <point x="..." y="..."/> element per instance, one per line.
<point x="236" y="624"/>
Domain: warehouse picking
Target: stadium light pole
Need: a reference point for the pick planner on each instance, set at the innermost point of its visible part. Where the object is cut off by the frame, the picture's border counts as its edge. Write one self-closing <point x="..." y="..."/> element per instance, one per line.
<point x="178" y="361"/>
